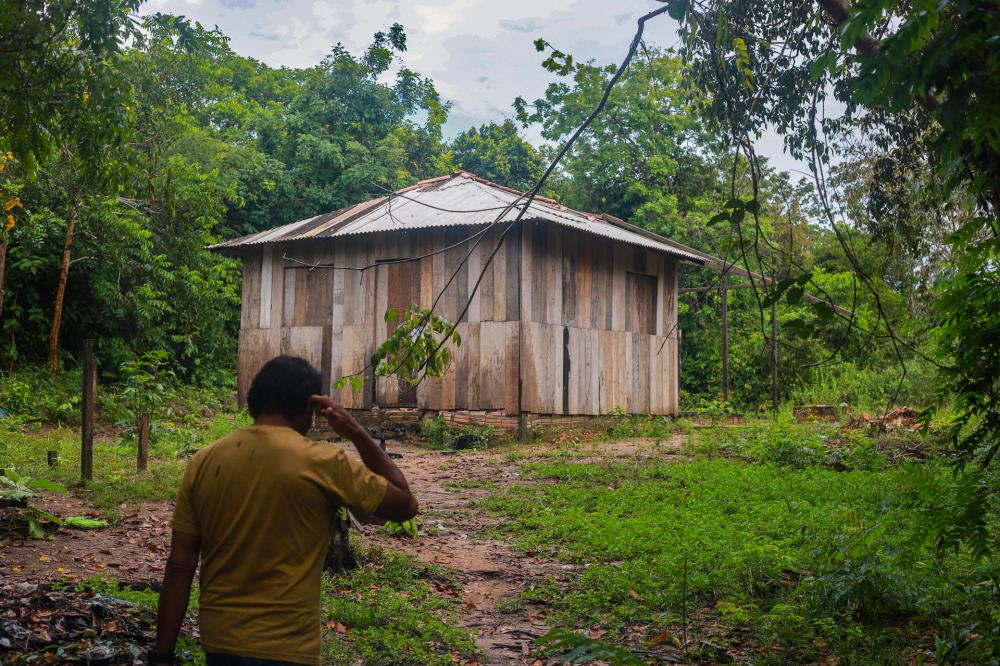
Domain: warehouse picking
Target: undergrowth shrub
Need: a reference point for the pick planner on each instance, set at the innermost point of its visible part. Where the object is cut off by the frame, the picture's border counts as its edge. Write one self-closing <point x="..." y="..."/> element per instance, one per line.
<point x="627" y="426"/>
<point x="441" y="434"/>
<point x="147" y="383"/>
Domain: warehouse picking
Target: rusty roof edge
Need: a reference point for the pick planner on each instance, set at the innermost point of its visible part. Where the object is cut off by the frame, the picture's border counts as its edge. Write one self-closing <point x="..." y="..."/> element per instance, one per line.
<point x="703" y="258"/>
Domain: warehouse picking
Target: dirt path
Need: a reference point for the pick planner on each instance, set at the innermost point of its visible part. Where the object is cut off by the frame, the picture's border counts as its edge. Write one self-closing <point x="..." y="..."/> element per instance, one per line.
<point x="492" y="574"/>
<point x="132" y="552"/>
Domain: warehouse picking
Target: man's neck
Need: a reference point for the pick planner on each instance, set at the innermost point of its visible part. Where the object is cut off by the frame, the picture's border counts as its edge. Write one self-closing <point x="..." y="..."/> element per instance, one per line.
<point x="272" y="420"/>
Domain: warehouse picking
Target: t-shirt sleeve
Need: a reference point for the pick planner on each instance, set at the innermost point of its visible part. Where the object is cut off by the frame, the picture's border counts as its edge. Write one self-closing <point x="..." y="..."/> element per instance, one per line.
<point x="184" y="519"/>
<point x="354" y="485"/>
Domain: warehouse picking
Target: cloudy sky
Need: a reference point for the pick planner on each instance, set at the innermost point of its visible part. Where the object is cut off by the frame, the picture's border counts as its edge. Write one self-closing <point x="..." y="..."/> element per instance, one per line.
<point x="478" y="52"/>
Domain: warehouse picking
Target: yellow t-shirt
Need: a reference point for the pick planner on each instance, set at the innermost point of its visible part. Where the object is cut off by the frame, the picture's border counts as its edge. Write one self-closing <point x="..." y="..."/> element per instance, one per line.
<point x="262" y="501"/>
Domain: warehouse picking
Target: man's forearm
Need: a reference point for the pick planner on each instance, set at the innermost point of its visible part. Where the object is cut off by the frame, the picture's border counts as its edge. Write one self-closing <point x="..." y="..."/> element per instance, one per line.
<point x="376" y="459"/>
<point x="174" y="595"/>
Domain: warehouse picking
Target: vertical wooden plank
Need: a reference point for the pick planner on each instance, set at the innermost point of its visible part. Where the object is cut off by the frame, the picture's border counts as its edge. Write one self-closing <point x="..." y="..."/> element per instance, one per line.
<point x="427" y="245"/>
<point x="301" y="287"/>
<point x="530" y="379"/>
<point x="471" y="390"/>
<point x="475" y="264"/>
<point x="288" y="299"/>
<point x="655" y="378"/>
<point x="277" y="289"/>
<point x="594" y="370"/>
<point x="596" y="287"/>
<point x="250" y="301"/>
<point x="266" y="276"/>
<point x="488" y="287"/>
<point x="501" y="268"/>
<point x="515" y="277"/>
<point x="643" y="372"/>
<point x="462" y="281"/>
<point x="539" y="272"/>
<point x="337" y="317"/>
<point x="608" y="295"/>
<point x="661" y="285"/>
<point x="553" y="310"/>
<point x="585" y="267"/>
<point x="511" y="367"/>
<point x="568" y="274"/>
<point x="528" y="276"/>
<point x="620" y="266"/>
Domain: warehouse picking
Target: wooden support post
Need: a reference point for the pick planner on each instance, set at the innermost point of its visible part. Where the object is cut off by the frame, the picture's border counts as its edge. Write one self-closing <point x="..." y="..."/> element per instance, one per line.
<point x="143" y="458"/>
<point x="53" y="458"/>
<point x="87" y="412"/>
<point x="725" y="337"/>
<point x="774" y="356"/>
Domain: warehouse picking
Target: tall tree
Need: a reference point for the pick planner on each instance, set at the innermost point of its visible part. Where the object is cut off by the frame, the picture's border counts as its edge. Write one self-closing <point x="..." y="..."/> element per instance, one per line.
<point x="53" y="55"/>
<point x="498" y="153"/>
<point x="920" y="78"/>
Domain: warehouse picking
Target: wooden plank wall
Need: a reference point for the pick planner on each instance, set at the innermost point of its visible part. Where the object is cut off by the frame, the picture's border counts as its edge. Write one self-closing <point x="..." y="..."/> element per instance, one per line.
<point x="589" y="342"/>
<point x="334" y="318"/>
<point x="580" y="352"/>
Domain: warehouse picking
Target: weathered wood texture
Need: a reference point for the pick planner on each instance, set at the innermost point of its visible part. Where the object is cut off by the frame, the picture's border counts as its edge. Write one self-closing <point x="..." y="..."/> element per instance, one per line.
<point x="600" y="326"/>
<point x="595" y="318"/>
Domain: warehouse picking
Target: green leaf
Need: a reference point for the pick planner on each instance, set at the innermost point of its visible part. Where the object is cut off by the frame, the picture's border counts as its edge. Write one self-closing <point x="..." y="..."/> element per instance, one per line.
<point x="677" y="9"/>
<point x="43" y="484"/>
<point x="718" y="217"/>
<point x="35" y="529"/>
<point x="82" y="523"/>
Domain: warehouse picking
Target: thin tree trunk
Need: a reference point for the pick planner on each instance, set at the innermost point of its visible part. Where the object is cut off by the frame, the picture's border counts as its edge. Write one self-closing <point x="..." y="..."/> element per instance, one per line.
<point x="61" y="291"/>
<point x="3" y="267"/>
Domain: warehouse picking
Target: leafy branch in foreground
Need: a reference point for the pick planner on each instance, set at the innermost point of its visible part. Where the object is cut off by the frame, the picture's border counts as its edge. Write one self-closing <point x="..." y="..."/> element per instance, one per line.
<point x="415" y="350"/>
<point x="16" y="490"/>
<point x="581" y="649"/>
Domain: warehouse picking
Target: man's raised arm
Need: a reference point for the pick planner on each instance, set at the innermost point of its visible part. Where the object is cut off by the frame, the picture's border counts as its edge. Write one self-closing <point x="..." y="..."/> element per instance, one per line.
<point x="399" y="503"/>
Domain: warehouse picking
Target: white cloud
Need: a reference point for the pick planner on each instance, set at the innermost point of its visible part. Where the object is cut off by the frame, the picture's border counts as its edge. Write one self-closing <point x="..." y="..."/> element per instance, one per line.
<point x="478" y="52"/>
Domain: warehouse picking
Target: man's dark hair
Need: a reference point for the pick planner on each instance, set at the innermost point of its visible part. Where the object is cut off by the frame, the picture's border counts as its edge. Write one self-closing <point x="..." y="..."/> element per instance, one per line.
<point x="283" y="386"/>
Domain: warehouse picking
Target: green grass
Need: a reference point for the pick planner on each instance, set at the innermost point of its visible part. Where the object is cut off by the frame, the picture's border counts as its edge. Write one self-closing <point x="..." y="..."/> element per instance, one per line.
<point x="791" y="557"/>
<point x="396" y="610"/>
<point x="116" y="480"/>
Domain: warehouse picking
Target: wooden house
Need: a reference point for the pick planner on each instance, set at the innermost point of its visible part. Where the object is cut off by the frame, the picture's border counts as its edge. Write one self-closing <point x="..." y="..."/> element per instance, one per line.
<point x="575" y="315"/>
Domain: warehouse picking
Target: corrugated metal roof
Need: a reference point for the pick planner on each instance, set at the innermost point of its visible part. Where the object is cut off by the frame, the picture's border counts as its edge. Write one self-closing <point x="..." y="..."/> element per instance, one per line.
<point x="458" y="199"/>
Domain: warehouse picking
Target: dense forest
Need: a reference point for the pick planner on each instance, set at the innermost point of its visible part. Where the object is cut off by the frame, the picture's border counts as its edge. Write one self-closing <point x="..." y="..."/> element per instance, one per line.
<point x="106" y="231"/>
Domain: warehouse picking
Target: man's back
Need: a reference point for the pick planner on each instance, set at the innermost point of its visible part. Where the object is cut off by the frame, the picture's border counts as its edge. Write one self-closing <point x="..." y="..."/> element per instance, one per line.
<point x="262" y="502"/>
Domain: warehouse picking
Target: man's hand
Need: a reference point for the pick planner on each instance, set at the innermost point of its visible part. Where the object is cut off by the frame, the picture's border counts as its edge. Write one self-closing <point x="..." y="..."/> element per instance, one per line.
<point x="399" y="503"/>
<point x="340" y="420"/>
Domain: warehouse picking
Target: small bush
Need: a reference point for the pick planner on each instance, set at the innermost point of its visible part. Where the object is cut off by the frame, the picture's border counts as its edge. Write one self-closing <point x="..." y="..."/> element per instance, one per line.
<point x="442" y="435"/>
<point x="630" y="426"/>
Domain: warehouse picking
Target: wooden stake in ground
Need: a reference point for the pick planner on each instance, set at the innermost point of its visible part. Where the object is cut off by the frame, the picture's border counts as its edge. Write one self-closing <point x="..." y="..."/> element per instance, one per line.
<point x="87" y="412"/>
<point x="143" y="442"/>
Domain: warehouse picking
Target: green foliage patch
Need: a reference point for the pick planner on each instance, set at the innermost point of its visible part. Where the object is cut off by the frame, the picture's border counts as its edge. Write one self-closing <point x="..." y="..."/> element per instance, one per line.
<point x="795" y="558"/>
<point x="392" y="611"/>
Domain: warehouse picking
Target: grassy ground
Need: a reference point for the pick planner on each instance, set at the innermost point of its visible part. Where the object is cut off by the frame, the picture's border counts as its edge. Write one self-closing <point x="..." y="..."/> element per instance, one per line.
<point x="116" y="480"/>
<point x="774" y="539"/>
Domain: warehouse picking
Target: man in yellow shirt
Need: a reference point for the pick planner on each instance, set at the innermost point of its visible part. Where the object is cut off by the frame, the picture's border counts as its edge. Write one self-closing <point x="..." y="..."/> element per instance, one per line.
<point x="258" y="507"/>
